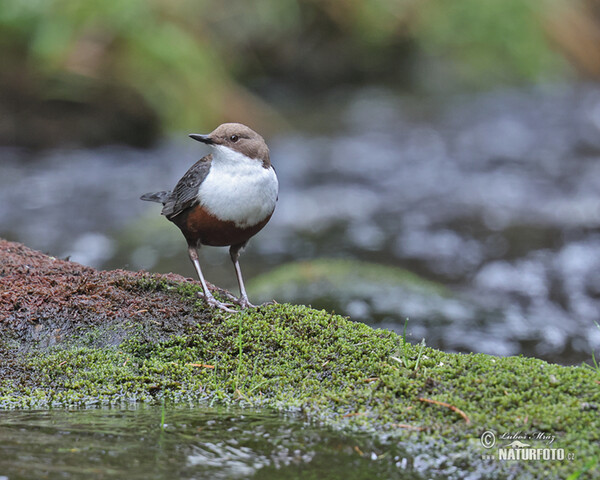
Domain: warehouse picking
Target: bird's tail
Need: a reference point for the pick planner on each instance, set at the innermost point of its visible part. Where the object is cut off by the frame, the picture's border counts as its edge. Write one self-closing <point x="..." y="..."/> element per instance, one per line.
<point x="160" y="197"/>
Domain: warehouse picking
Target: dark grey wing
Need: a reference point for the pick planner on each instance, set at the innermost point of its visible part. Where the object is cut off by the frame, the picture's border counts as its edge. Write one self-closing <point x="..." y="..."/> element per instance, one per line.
<point x="185" y="193"/>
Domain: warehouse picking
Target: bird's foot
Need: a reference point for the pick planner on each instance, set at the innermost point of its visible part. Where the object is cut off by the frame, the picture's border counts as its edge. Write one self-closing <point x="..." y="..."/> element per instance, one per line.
<point x="214" y="303"/>
<point x="243" y="302"/>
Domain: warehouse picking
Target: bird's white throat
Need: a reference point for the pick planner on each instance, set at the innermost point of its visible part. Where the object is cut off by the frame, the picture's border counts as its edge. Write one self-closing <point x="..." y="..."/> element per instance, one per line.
<point x="238" y="189"/>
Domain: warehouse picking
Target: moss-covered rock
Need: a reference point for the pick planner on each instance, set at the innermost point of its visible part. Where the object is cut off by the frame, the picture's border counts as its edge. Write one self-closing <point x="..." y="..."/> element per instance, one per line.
<point x="337" y="372"/>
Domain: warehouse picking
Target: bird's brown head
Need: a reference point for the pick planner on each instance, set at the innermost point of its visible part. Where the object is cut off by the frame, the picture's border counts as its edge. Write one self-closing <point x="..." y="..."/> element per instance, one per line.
<point x="237" y="137"/>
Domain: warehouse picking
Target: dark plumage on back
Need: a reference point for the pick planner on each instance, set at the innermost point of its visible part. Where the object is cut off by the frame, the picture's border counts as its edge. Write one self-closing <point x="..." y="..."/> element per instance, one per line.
<point x="185" y="193"/>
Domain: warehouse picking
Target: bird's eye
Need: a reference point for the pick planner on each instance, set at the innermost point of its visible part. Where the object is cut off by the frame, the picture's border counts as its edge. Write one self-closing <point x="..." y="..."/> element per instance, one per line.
<point x="234" y="138"/>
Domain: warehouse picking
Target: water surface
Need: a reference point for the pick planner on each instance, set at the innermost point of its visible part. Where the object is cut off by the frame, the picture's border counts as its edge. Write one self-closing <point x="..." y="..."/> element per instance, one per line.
<point x="195" y="443"/>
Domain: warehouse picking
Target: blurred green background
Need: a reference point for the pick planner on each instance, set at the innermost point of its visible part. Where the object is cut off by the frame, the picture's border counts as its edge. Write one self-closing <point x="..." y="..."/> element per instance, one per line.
<point x="93" y="72"/>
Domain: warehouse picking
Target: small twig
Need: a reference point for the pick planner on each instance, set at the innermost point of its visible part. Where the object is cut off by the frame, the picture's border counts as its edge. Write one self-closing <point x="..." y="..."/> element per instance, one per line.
<point x="408" y="427"/>
<point x="447" y="405"/>
<point x="353" y="414"/>
<point x="200" y="365"/>
<point x="372" y="379"/>
<point x="62" y="363"/>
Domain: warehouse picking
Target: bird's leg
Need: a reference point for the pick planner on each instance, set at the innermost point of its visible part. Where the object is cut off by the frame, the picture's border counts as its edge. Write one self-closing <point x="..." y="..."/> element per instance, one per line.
<point x="234" y="252"/>
<point x="212" y="301"/>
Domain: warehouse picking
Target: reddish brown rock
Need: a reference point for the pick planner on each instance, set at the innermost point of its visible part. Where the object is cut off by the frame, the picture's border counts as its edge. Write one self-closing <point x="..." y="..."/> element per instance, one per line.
<point x="46" y="300"/>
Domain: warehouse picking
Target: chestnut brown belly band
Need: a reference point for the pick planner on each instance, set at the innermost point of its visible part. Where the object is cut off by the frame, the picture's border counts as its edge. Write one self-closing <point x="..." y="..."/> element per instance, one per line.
<point x="200" y="227"/>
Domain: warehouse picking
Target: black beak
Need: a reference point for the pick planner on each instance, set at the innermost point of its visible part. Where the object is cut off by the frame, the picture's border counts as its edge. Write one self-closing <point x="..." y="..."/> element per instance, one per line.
<point x="202" y="138"/>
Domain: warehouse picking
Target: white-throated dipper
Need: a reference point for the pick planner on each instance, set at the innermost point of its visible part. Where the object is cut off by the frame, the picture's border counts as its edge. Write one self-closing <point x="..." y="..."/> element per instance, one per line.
<point x="224" y="199"/>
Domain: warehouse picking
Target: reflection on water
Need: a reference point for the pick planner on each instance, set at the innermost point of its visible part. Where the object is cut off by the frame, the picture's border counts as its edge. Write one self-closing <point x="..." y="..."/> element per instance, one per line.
<point x="194" y="444"/>
<point x="496" y="196"/>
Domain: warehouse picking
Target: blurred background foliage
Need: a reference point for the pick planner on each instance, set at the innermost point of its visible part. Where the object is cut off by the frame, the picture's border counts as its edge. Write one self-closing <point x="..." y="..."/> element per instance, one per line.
<point x="114" y="71"/>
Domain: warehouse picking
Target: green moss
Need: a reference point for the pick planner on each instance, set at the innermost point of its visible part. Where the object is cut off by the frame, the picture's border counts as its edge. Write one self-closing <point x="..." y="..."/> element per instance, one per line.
<point x="341" y="373"/>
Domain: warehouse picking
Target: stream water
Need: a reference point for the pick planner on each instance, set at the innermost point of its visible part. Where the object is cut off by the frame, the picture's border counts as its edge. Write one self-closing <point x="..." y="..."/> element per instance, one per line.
<point x="496" y="196"/>
<point x="192" y="443"/>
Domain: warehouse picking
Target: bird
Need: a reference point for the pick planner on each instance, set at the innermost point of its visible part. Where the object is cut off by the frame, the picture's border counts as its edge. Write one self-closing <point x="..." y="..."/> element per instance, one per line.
<point x="224" y="199"/>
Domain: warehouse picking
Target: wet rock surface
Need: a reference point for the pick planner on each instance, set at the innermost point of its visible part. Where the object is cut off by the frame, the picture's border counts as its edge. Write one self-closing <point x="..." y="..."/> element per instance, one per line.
<point x="45" y="301"/>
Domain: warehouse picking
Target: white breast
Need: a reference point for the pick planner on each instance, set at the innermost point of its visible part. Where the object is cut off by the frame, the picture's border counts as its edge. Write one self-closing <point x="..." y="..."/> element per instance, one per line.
<point x="238" y="189"/>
